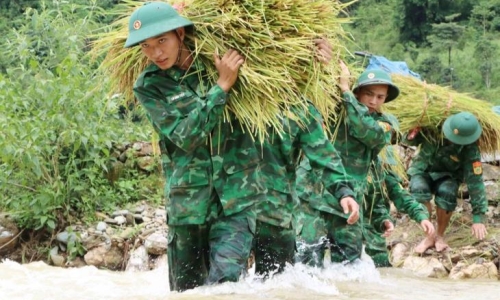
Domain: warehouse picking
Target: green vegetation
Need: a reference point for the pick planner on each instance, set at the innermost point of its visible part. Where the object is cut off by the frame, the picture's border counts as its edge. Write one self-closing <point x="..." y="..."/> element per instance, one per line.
<point x="453" y="43"/>
<point x="58" y="133"/>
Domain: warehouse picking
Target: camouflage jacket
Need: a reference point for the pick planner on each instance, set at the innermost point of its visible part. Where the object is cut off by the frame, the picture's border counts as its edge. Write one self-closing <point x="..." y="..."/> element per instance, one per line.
<point x="384" y="186"/>
<point x="203" y="156"/>
<point x="462" y="162"/>
<point x="281" y="154"/>
<point x="359" y="137"/>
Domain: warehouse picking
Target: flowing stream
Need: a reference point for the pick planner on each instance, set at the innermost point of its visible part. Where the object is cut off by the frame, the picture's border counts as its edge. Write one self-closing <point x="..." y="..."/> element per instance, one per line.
<point x="37" y="281"/>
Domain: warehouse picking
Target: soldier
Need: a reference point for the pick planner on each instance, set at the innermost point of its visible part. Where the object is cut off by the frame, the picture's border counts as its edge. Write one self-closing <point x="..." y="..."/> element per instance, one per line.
<point x="212" y="166"/>
<point x="384" y="185"/>
<point x="275" y="237"/>
<point x="440" y="167"/>
<point x="359" y="136"/>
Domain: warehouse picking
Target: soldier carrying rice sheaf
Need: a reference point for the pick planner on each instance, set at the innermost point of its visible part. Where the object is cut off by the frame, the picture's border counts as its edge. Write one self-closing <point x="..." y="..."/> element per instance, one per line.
<point x="439" y="168"/>
<point x="212" y="165"/>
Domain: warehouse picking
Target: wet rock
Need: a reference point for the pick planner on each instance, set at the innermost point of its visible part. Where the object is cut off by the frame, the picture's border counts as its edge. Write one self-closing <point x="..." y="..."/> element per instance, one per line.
<point x="110" y="221"/>
<point x="139" y="209"/>
<point x="56" y="259"/>
<point x="156" y="244"/>
<point x="101" y="226"/>
<point x="398" y="253"/>
<point x="139" y="260"/>
<point x="425" y="266"/>
<point x="120" y="220"/>
<point x="65" y="237"/>
<point x="122" y="212"/>
<point x="8" y="235"/>
<point x="485" y="270"/>
<point x="107" y="256"/>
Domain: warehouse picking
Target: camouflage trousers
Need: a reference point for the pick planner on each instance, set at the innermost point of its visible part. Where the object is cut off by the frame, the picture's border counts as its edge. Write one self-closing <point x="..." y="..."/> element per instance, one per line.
<point x="445" y="190"/>
<point x="312" y="239"/>
<point x="325" y="230"/>
<point x="210" y="253"/>
<point x="375" y="245"/>
<point x="274" y="247"/>
<point x="346" y="240"/>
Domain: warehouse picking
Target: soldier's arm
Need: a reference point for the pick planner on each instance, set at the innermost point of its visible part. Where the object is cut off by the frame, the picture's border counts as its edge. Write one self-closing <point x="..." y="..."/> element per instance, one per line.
<point x="403" y="200"/>
<point x="363" y="126"/>
<point x="187" y="130"/>
<point x="473" y="173"/>
<point x="322" y="155"/>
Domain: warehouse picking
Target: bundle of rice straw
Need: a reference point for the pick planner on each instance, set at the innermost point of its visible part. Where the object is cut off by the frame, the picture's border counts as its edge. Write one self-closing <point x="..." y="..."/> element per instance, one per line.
<point x="276" y="38"/>
<point x="428" y="105"/>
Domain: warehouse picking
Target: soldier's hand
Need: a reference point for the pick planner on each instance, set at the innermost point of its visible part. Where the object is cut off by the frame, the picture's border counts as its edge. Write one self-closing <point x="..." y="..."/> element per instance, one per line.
<point x="324" y="51"/>
<point x="350" y="205"/>
<point x="345" y="75"/>
<point x="389" y="228"/>
<point x="479" y="231"/>
<point x="427" y="227"/>
<point x="228" y="67"/>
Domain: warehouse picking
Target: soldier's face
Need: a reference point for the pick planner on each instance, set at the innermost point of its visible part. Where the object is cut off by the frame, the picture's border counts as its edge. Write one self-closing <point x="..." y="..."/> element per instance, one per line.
<point x="373" y="96"/>
<point x="162" y="50"/>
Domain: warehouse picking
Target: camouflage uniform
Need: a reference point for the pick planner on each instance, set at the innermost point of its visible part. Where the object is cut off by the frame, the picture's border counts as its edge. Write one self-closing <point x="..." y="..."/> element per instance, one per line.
<point x="212" y="171"/>
<point x="384" y="186"/>
<point x="439" y="169"/>
<point x="310" y="222"/>
<point x="275" y="238"/>
<point x="359" y="138"/>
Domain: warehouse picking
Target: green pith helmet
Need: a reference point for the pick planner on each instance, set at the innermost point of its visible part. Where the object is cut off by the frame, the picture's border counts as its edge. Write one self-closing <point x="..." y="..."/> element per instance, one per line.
<point x="373" y="77"/>
<point x="153" y="19"/>
<point x="462" y="128"/>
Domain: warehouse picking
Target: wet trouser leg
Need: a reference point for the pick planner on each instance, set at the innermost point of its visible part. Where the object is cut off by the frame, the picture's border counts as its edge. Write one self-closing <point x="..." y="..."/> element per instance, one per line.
<point x="274" y="247"/>
<point x="346" y="239"/>
<point x="446" y="190"/>
<point x="312" y="240"/>
<point x="375" y="246"/>
<point x="187" y="256"/>
<point x="230" y="241"/>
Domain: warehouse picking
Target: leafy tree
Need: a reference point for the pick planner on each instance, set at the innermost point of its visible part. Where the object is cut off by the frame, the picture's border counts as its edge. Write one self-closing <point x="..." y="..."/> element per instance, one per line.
<point x="485" y="53"/>
<point x="446" y="36"/>
<point x="431" y="69"/>
<point x="414" y="17"/>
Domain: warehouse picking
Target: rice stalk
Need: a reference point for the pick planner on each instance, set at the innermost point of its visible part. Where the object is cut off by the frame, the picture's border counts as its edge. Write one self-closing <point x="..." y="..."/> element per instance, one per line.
<point x="275" y="36"/>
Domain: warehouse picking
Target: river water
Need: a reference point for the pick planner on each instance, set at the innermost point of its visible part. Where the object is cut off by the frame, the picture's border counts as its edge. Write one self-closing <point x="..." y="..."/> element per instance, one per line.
<point x="37" y="281"/>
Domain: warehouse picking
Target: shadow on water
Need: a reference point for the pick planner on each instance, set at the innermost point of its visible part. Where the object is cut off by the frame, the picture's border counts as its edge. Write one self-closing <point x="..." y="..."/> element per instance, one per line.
<point x="357" y="281"/>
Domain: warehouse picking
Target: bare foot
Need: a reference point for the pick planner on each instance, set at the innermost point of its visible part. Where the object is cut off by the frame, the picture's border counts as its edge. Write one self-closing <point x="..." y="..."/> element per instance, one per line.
<point x="441" y="245"/>
<point x="425" y="244"/>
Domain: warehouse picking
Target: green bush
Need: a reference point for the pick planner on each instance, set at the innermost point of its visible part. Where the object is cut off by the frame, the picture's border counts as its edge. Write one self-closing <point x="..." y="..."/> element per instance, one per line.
<point x="57" y="130"/>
